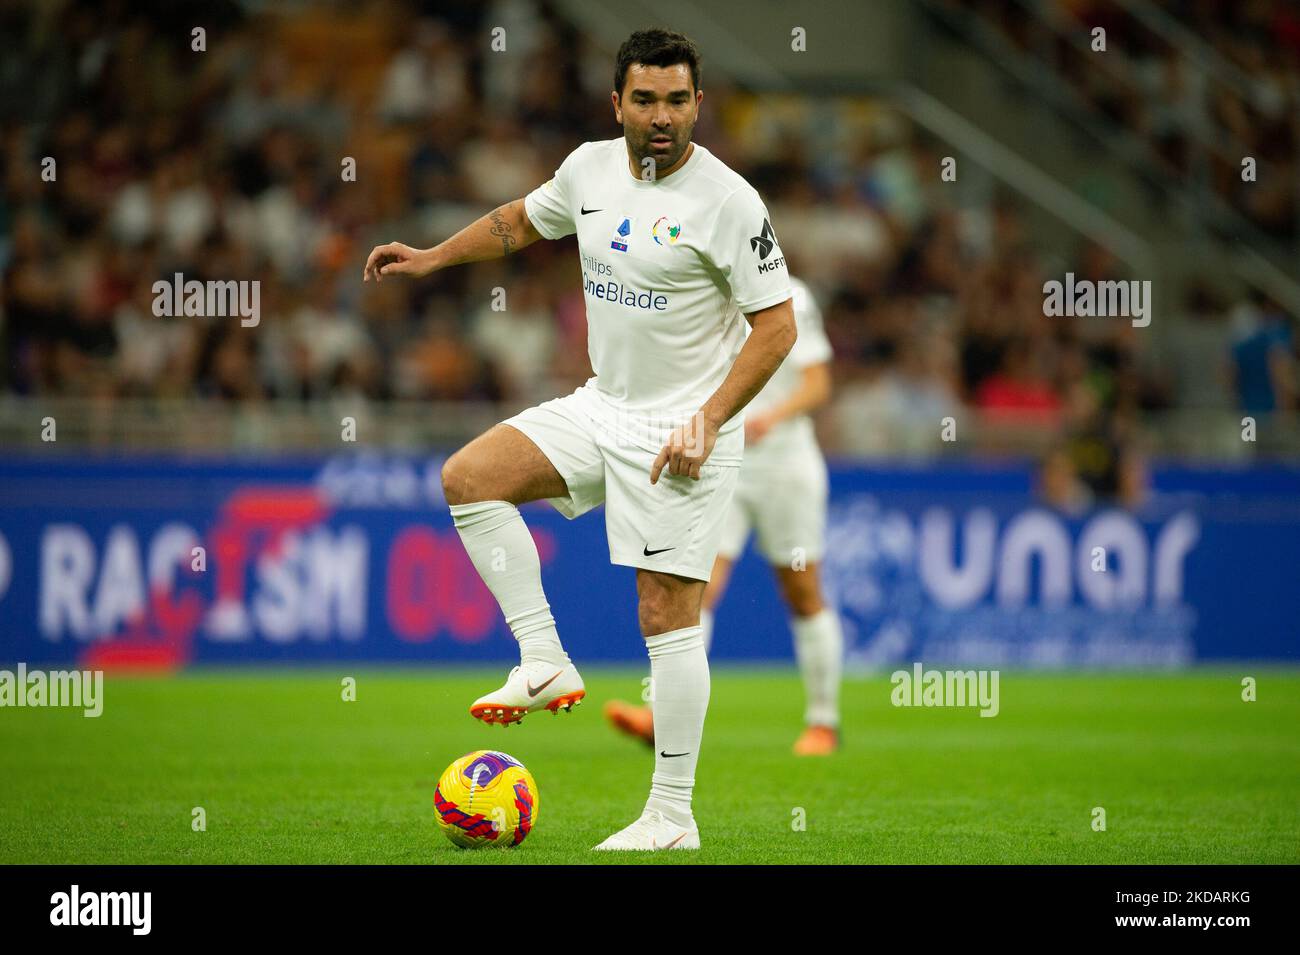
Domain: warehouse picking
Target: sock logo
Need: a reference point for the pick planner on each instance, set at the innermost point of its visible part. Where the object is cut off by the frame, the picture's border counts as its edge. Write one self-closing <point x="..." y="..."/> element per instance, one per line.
<point x="671" y="755"/>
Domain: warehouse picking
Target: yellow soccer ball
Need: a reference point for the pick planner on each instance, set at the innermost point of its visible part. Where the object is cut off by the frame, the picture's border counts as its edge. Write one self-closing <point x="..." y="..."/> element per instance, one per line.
<point x="486" y="798"/>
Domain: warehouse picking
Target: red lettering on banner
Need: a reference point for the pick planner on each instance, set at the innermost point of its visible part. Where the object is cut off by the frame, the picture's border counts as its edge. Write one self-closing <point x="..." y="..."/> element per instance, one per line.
<point x="412" y="585"/>
<point x="473" y="610"/>
<point x="432" y="585"/>
<point x="230" y="550"/>
<point x="252" y="516"/>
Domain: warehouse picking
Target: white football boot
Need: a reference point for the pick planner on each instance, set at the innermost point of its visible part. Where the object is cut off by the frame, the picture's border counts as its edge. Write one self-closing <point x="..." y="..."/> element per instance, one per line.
<point x="530" y="687"/>
<point x="651" y="833"/>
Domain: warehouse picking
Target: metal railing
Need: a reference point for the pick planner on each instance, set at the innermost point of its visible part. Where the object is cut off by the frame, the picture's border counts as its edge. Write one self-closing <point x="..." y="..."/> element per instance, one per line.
<point x="210" y="427"/>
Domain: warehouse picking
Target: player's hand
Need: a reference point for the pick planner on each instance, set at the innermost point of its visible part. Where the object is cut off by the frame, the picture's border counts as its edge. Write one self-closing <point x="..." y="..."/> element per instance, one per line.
<point x="756" y="427"/>
<point x="394" y="258"/>
<point x="686" y="450"/>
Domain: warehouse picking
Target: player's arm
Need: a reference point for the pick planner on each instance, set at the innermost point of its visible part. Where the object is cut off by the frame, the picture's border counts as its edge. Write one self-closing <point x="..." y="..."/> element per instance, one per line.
<point x="771" y="337"/>
<point x="503" y="230"/>
<point x="813" y="391"/>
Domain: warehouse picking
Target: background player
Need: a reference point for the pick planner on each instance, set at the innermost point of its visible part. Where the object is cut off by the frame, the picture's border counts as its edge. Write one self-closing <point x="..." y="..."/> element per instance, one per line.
<point x="782" y="496"/>
<point x="674" y="247"/>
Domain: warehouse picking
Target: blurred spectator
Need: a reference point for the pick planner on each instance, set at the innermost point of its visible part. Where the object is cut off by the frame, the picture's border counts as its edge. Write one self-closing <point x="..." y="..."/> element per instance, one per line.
<point x="1262" y="369"/>
<point x="1020" y="388"/>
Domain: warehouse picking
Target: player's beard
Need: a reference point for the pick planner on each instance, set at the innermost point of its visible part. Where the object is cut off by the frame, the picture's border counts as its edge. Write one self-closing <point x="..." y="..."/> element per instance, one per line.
<point x="641" y="148"/>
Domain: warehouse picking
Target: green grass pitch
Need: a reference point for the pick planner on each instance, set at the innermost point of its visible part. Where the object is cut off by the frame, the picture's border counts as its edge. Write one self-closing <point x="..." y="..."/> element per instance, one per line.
<point x="287" y="772"/>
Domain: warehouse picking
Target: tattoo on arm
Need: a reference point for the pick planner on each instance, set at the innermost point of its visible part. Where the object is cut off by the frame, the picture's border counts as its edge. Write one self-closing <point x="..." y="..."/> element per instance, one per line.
<point x="501" y="229"/>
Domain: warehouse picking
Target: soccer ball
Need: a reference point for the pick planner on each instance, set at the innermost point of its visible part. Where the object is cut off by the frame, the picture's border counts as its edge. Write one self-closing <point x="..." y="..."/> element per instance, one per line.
<point x="486" y="799"/>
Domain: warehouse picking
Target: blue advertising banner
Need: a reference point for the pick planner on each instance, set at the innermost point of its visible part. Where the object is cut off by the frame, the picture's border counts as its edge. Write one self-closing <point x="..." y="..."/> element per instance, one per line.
<point x="159" y="562"/>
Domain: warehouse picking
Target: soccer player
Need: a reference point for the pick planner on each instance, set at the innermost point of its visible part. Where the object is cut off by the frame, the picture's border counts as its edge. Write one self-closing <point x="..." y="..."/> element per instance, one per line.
<point x="782" y="496"/>
<point x="675" y="247"/>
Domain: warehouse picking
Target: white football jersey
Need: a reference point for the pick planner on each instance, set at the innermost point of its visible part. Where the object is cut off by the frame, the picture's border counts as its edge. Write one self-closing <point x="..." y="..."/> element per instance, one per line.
<point x="812" y="347"/>
<point x="669" y="268"/>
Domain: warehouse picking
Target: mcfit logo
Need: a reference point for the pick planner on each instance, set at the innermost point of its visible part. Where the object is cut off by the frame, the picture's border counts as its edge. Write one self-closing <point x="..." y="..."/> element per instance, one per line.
<point x="763" y="244"/>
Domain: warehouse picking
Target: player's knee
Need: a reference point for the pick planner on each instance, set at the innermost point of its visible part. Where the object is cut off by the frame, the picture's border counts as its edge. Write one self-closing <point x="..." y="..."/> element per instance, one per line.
<point x="457" y="482"/>
<point x="802" y="594"/>
<point x="652" y="618"/>
<point x="657" y="613"/>
<point x="806" y="604"/>
<point x="804" y="598"/>
<point x="663" y="609"/>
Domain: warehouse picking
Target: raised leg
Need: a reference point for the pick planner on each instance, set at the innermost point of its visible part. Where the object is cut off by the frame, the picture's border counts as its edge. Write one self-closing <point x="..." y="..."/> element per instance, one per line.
<point x="501" y="464"/>
<point x="483" y="483"/>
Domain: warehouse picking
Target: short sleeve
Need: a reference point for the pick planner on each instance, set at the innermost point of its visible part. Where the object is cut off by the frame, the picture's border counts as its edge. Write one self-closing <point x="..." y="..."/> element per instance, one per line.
<point x="812" y="347"/>
<point x="745" y="249"/>
<point x="550" y="205"/>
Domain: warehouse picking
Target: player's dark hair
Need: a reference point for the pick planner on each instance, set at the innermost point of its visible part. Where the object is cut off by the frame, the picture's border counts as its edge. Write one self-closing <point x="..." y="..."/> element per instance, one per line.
<point x="656" y="48"/>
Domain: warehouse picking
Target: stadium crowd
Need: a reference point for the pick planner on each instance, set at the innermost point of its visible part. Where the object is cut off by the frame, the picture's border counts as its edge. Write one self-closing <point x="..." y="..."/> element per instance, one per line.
<point x="232" y="163"/>
<point x="1233" y="91"/>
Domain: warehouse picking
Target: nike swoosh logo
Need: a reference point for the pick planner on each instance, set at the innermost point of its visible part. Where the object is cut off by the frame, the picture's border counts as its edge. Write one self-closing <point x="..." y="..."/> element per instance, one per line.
<point x="654" y="845"/>
<point x="650" y="553"/>
<point x="586" y="212"/>
<point x="533" y="691"/>
<point x="671" y="755"/>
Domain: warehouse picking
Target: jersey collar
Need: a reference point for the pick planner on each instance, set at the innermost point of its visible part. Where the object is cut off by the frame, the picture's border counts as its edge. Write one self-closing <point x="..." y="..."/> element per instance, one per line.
<point x="693" y="160"/>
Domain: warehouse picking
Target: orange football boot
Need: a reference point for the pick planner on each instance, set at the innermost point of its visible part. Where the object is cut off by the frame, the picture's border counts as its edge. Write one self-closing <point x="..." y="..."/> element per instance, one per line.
<point x="817" y="741"/>
<point x="638" y="721"/>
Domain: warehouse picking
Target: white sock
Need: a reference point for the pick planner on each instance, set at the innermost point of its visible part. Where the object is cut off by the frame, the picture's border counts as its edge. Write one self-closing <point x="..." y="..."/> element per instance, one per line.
<point x="819" y="648"/>
<point x="706" y="628"/>
<point x="503" y="552"/>
<point x="679" y="668"/>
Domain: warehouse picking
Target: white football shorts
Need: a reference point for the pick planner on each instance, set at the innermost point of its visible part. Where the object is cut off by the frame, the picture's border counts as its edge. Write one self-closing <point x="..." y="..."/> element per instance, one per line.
<point x="782" y="498"/>
<point x="673" y="526"/>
